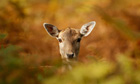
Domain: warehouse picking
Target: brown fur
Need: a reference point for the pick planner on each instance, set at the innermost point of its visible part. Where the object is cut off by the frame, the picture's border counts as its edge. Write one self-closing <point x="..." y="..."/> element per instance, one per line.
<point x="69" y="37"/>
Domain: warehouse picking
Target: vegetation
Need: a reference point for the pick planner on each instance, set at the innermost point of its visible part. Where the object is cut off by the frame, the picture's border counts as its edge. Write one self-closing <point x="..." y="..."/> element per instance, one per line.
<point x="109" y="55"/>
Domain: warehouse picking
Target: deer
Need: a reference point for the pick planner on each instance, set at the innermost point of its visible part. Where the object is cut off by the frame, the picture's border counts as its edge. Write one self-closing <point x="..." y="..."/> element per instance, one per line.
<point x="69" y="39"/>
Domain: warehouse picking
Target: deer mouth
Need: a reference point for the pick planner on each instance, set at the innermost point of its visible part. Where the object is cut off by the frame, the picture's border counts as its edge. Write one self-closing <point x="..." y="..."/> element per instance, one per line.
<point x="70" y="59"/>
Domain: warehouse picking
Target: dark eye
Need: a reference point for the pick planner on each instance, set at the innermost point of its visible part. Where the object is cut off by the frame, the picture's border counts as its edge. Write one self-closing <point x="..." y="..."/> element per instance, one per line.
<point x="60" y="40"/>
<point x="79" y="39"/>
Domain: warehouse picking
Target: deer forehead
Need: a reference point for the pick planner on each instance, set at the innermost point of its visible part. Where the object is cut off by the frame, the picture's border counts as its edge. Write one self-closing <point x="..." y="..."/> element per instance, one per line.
<point x="69" y="34"/>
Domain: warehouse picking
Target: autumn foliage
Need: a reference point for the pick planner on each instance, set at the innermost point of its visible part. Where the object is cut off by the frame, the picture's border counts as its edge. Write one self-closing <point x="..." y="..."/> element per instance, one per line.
<point x="109" y="55"/>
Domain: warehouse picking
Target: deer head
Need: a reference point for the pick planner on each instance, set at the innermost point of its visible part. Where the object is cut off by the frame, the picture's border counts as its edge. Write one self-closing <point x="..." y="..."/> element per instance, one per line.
<point x="69" y="39"/>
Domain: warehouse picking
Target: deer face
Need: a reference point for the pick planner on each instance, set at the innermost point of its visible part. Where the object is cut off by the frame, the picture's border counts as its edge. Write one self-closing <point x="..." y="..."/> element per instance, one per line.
<point x="69" y="39"/>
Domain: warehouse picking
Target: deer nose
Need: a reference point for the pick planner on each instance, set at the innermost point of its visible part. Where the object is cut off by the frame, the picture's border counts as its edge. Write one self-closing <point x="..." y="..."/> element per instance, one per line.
<point x="70" y="56"/>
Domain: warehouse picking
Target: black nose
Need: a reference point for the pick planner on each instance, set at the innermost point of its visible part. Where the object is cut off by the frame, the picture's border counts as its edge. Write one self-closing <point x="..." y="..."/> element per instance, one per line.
<point x="70" y="56"/>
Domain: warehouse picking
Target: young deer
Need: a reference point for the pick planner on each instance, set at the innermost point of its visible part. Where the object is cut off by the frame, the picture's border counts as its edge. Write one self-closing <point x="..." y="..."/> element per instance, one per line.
<point x="69" y="39"/>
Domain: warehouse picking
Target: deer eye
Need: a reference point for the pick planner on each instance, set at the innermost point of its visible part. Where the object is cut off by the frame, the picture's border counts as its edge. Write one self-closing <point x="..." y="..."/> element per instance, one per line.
<point x="79" y="39"/>
<point x="60" y="40"/>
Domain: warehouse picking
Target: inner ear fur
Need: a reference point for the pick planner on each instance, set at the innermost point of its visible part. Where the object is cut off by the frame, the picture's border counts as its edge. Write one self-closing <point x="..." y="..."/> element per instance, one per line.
<point x="87" y="28"/>
<point x="51" y="29"/>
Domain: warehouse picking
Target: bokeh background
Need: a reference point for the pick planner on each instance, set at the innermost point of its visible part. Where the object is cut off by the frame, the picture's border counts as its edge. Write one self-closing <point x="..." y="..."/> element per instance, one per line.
<point x="109" y="55"/>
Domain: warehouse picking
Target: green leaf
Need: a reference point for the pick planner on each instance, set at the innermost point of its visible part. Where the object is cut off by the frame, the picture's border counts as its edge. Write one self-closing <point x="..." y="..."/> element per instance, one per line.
<point x="2" y="36"/>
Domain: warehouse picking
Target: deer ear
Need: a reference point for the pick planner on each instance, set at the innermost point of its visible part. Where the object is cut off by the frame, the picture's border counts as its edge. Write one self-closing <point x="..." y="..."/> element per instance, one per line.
<point x="87" y="28"/>
<point x="51" y="29"/>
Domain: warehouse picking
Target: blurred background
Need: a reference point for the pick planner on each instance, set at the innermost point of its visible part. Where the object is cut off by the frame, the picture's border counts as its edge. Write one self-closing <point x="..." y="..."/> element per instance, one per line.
<point x="28" y="55"/>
